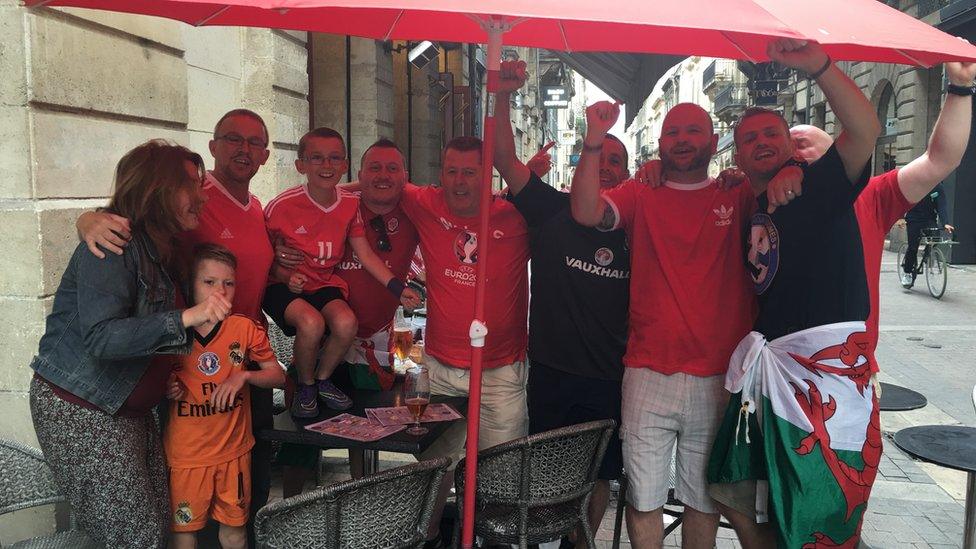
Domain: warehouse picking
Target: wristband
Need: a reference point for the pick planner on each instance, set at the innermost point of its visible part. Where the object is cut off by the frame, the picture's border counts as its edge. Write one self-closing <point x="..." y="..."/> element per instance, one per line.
<point x="822" y="70"/>
<point x="396" y="286"/>
<point x="961" y="90"/>
<point x="593" y="148"/>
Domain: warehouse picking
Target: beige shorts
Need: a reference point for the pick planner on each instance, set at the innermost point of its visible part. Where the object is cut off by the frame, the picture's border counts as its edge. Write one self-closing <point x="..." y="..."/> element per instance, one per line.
<point x="664" y="416"/>
<point x="504" y="413"/>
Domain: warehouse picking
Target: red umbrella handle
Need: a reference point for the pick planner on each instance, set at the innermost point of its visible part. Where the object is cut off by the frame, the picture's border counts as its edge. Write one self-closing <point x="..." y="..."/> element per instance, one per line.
<point x="495" y="28"/>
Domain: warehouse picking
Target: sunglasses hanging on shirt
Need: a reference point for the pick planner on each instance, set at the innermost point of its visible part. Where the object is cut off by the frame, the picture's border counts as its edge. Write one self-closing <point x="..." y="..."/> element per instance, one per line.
<point x="383" y="242"/>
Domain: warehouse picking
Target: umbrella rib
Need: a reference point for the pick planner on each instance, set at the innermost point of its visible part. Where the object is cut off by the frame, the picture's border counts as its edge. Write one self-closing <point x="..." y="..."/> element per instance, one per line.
<point x="393" y="25"/>
<point x="914" y="60"/>
<point x="212" y="16"/>
<point x="562" y="31"/>
<point x="733" y="42"/>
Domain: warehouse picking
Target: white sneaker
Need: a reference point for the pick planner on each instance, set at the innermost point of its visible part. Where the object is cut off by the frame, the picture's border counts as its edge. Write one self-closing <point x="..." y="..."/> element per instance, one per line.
<point x="906" y="279"/>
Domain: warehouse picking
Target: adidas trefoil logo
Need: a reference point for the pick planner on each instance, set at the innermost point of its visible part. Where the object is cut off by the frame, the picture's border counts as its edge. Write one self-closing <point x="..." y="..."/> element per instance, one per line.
<point x="724" y="215"/>
<point x="226" y="234"/>
<point x="301" y="230"/>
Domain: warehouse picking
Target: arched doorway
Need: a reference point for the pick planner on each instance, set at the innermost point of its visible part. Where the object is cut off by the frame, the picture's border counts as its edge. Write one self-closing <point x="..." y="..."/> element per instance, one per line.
<point x="886" y="151"/>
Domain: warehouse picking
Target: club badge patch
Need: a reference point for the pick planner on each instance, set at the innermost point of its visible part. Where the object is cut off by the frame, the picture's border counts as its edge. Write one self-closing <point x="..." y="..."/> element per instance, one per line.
<point x="208" y="363"/>
<point x="183" y="513"/>
<point x="763" y="258"/>
<point x="603" y="257"/>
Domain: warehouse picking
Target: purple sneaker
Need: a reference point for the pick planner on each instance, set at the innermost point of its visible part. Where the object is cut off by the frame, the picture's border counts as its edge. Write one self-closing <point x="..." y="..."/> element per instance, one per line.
<point x="305" y="404"/>
<point x="332" y="396"/>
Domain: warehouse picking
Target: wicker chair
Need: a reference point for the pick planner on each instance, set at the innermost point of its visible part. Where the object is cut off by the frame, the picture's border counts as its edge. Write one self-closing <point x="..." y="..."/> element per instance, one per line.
<point x="25" y="482"/>
<point x="282" y="345"/>
<point x="388" y="510"/>
<point x="537" y="488"/>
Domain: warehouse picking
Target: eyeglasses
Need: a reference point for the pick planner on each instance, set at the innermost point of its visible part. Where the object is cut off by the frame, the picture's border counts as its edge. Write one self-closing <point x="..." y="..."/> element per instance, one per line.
<point x="317" y="160"/>
<point x="383" y="242"/>
<point x="238" y="141"/>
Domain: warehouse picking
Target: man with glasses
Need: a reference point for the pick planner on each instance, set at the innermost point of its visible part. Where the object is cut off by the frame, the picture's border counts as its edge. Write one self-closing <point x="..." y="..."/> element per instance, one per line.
<point x="234" y="218"/>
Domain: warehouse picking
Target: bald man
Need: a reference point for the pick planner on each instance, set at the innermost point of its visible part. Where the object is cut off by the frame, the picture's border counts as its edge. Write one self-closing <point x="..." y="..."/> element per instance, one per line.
<point x="681" y="235"/>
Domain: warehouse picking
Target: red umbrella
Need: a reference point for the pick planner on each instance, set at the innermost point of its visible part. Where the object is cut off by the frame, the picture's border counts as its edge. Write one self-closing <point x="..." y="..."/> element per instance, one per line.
<point x="863" y="30"/>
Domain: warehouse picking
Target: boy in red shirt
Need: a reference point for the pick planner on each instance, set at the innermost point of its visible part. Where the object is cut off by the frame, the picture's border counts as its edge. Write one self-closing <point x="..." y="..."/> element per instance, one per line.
<point x="318" y="219"/>
<point x="208" y="436"/>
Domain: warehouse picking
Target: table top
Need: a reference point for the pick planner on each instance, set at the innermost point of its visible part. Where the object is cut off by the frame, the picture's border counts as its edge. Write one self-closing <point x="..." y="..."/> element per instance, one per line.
<point x="952" y="446"/>
<point x="895" y="398"/>
<point x="292" y="430"/>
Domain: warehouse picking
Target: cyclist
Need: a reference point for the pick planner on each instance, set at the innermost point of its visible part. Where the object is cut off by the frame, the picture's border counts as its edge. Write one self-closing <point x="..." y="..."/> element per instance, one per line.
<point x="927" y="214"/>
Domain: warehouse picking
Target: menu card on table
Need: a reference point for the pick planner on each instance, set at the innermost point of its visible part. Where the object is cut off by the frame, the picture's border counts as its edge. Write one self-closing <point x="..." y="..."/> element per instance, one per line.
<point x="400" y="415"/>
<point x="354" y="427"/>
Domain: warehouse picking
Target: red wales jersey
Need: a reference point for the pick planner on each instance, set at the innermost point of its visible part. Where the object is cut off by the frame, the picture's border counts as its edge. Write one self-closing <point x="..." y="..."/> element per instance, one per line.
<point x="691" y="299"/>
<point x="878" y="207"/>
<point x="373" y="304"/>
<point x="449" y="245"/>
<point x="197" y="433"/>
<point x="319" y="232"/>
<point x="240" y="228"/>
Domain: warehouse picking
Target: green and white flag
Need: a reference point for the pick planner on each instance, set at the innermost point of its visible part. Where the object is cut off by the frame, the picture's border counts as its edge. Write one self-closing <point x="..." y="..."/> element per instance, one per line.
<point x="803" y="416"/>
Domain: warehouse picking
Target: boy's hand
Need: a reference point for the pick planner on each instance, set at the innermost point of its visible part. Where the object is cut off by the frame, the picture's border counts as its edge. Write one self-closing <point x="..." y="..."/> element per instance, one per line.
<point x="213" y="309"/>
<point x="226" y="393"/>
<point x="288" y="258"/>
<point x="175" y="388"/>
<point x="109" y="231"/>
<point x="410" y="299"/>
<point x="296" y="282"/>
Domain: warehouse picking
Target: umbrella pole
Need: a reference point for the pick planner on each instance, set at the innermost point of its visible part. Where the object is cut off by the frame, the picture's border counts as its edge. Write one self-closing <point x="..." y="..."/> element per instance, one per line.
<point x="495" y="28"/>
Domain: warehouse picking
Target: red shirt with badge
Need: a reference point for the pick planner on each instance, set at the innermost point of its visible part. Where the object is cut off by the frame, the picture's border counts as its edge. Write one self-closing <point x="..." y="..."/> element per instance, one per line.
<point x="373" y="304"/>
<point x="199" y="434"/>
<point x="691" y="299"/>
<point x="878" y="207"/>
<point x="319" y="232"/>
<point x="449" y="245"/>
<point x="239" y="228"/>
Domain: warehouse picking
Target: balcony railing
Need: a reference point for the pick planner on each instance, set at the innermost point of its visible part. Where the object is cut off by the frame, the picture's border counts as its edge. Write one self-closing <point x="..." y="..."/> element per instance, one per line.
<point x="708" y="75"/>
<point x="732" y="96"/>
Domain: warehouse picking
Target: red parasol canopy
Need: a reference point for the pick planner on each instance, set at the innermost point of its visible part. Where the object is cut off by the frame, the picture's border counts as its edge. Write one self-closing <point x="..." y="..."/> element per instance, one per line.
<point x="861" y="30"/>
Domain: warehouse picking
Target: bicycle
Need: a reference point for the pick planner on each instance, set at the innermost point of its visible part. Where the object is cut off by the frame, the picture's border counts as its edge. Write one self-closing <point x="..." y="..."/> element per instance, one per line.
<point x="932" y="260"/>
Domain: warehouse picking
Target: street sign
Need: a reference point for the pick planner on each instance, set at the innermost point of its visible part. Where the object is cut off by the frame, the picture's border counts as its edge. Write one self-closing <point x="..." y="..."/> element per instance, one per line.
<point x="555" y="97"/>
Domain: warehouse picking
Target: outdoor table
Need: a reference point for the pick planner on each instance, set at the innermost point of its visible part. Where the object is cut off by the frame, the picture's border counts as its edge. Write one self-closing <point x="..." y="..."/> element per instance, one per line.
<point x="292" y="430"/>
<point x="952" y="446"/>
<point x="895" y="398"/>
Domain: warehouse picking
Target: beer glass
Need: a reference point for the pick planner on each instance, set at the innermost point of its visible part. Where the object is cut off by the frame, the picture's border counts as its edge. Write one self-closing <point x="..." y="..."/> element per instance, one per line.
<point x="416" y="394"/>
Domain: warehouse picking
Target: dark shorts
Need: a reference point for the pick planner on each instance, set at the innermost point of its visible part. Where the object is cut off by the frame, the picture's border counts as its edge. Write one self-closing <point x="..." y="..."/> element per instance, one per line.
<point x="277" y="298"/>
<point x="558" y="399"/>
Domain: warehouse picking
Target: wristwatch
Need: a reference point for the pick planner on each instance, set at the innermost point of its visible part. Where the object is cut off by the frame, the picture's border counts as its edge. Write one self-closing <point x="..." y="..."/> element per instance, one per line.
<point x="961" y="90"/>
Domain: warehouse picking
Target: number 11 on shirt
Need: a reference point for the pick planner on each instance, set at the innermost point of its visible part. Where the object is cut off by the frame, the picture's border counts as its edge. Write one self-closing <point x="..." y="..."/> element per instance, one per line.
<point x="325" y="252"/>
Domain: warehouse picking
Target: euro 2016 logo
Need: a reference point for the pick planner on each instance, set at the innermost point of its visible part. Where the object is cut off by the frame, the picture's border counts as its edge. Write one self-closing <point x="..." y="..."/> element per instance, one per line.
<point x="466" y="247"/>
<point x="208" y="363"/>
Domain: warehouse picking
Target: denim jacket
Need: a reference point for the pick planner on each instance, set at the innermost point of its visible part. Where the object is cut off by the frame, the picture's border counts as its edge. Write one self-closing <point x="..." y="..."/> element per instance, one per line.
<point x="109" y="317"/>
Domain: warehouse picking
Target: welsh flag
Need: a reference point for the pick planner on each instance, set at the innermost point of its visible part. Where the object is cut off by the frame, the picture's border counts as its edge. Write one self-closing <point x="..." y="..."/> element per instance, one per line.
<point x="371" y="362"/>
<point x="803" y="416"/>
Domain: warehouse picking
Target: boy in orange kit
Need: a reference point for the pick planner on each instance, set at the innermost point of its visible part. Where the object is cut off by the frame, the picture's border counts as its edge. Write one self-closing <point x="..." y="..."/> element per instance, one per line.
<point x="208" y="436"/>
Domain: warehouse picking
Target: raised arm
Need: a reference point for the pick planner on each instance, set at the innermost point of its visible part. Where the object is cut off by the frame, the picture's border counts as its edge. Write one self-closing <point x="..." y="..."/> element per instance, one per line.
<point x="587" y="206"/>
<point x="950" y="136"/>
<point x="854" y="111"/>
<point x="511" y="77"/>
